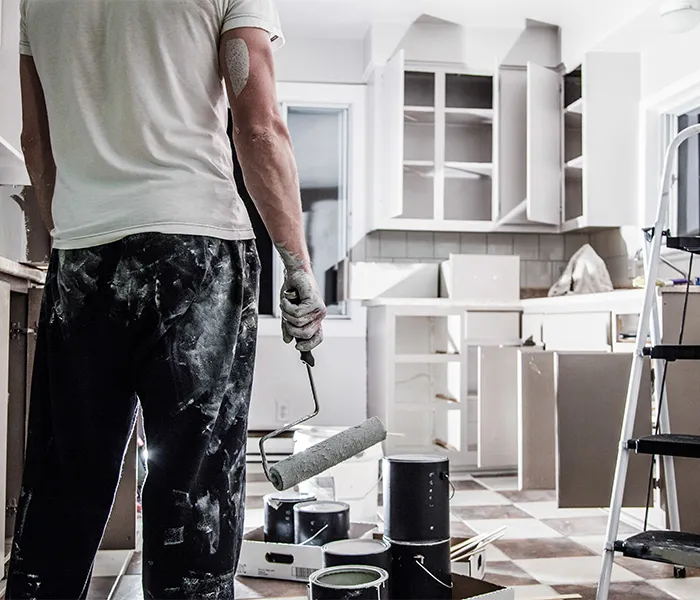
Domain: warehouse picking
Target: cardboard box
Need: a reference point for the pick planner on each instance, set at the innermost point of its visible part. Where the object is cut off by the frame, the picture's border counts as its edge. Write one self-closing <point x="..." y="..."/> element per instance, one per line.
<point x="285" y="561"/>
<point x="466" y="587"/>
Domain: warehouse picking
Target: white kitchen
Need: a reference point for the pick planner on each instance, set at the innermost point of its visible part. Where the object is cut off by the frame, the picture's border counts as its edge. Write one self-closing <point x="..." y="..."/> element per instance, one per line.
<point x="480" y="182"/>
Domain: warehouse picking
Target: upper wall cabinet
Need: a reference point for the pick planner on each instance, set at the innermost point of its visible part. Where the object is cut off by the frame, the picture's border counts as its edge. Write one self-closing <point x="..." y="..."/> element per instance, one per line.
<point x="601" y="141"/>
<point x="435" y="145"/>
<point x="527" y="148"/>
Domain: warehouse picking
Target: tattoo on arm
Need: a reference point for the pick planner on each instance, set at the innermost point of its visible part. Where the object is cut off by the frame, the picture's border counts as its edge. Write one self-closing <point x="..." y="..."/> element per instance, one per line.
<point x="238" y="63"/>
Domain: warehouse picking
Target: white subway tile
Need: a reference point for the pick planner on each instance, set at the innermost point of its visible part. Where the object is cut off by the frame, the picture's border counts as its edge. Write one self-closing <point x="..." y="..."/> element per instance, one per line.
<point x="551" y="247"/>
<point x="538" y="274"/>
<point x="499" y="243"/>
<point x="573" y="243"/>
<point x="473" y="243"/>
<point x="392" y="244"/>
<point x="446" y="244"/>
<point x="526" y="246"/>
<point x="420" y="244"/>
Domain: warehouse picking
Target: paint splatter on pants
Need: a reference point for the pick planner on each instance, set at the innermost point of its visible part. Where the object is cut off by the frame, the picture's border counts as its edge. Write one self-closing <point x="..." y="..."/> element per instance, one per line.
<point x="170" y="320"/>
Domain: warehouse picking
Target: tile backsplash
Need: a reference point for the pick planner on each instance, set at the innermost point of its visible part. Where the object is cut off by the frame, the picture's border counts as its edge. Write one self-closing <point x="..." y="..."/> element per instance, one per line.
<point x="543" y="258"/>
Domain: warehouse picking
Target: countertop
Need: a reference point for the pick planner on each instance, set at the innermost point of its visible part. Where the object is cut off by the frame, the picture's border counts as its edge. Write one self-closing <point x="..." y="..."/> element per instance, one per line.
<point x="619" y="301"/>
<point x="20" y="271"/>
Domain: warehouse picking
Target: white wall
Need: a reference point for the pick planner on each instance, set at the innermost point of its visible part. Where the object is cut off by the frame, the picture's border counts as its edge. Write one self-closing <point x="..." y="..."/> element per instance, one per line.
<point x="480" y="49"/>
<point x="281" y="381"/>
<point x="320" y="60"/>
<point x="10" y="112"/>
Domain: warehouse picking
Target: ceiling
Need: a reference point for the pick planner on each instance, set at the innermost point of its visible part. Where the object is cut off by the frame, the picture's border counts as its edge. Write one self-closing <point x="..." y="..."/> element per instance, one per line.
<point x="593" y="19"/>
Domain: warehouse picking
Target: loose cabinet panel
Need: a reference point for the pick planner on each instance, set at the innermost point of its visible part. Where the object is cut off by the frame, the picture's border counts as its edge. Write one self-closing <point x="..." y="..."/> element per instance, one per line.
<point x="544" y="137"/>
<point x="498" y="408"/>
<point x="591" y="391"/>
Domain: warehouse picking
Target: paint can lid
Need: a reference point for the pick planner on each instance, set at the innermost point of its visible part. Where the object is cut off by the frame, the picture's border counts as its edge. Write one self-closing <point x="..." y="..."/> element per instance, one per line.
<point x="355" y="547"/>
<point x="417" y="458"/>
<point x="322" y="507"/>
<point x="288" y="497"/>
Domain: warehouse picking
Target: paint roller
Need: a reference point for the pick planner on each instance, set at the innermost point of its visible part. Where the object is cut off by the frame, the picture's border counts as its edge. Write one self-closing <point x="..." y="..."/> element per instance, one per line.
<point x="299" y="467"/>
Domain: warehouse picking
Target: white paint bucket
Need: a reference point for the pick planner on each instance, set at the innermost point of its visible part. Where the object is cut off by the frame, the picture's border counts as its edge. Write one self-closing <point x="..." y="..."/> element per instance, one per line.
<point x="355" y="481"/>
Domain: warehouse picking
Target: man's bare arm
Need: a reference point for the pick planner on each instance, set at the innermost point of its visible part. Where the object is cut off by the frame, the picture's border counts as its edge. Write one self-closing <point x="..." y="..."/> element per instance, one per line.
<point x="36" y="141"/>
<point x="264" y="149"/>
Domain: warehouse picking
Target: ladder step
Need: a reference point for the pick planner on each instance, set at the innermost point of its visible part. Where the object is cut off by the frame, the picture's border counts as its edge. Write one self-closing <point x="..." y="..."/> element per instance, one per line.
<point x="671" y="547"/>
<point x="683" y="446"/>
<point x="671" y="353"/>
<point x="686" y="243"/>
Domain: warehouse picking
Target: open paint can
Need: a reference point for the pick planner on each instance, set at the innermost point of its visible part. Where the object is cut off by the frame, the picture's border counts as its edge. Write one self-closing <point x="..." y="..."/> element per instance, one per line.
<point x="368" y="553"/>
<point x="416" y="498"/>
<point x="279" y="515"/>
<point x="349" y="583"/>
<point x="318" y="523"/>
<point x="420" y="571"/>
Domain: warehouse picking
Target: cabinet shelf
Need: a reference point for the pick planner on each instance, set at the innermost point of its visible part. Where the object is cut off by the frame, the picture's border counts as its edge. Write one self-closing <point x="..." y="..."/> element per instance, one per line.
<point x="462" y="116"/>
<point x="427" y="358"/>
<point x="419" y="114"/>
<point x="422" y="168"/>
<point x="576" y="107"/>
<point x="575" y="163"/>
<point x="468" y="170"/>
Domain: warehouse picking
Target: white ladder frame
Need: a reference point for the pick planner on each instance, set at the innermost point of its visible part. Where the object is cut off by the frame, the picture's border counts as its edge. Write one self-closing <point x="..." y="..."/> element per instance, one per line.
<point x="649" y="325"/>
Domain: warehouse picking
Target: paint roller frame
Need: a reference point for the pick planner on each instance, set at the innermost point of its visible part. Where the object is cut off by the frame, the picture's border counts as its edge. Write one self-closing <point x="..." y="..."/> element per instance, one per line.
<point x="371" y="424"/>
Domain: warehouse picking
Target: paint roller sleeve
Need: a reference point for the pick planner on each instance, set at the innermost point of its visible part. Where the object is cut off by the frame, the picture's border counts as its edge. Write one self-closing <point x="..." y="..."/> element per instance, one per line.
<point x="297" y="468"/>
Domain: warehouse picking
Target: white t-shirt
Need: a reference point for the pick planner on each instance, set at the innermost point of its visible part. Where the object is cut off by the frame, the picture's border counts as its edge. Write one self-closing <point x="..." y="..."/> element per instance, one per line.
<point x="137" y="114"/>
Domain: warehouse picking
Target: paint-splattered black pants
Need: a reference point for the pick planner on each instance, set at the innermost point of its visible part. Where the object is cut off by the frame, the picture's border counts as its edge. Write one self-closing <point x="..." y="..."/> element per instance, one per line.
<point x="170" y="321"/>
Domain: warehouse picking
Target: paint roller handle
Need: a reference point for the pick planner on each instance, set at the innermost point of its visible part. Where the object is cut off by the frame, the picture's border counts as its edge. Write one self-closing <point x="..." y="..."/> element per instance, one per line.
<point x="306" y="356"/>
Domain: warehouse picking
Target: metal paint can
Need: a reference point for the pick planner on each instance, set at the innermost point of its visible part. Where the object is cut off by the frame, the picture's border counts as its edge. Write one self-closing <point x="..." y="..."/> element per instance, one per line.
<point x="349" y="583"/>
<point x="318" y="523"/>
<point x="279" y="515"/>
<point x="416" y="498"/>
<point x="367" y="552"/>
<point x="420" y="571"/>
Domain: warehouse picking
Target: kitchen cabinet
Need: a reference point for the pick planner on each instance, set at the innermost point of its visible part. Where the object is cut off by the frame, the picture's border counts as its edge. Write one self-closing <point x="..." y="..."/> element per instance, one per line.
<point x="601" y="141"/>
<point x="435" y="142"/>
<point x="424" y="373"/>
<point x="591" y="322"/>
<point x="526" y="147"/>
<point x="445" y="148"/>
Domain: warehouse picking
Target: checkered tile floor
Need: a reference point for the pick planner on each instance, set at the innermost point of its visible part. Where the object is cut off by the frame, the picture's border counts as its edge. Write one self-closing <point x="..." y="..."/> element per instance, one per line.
<point x="545" y="552"/>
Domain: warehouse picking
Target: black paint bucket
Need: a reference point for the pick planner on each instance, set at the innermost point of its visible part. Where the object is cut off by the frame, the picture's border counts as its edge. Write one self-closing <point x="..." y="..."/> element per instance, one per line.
<point x="349" y="583"/>
<point x="369" y="553"/>
<point x="420" y="571"/>
<point x="416" y="498"/>
<point x="318" y="523"/>
<point x="279" y="515"/>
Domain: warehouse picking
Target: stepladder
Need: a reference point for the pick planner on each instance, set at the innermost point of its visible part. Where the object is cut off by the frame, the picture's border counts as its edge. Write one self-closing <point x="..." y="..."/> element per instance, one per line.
<point x="672" y="546"/>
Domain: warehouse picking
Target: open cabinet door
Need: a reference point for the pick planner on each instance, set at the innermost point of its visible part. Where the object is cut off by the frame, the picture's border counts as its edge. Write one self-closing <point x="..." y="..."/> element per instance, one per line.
<point x="510" y="146"/>
<point x="389" y="132"/>
<point x="544" y="138"/>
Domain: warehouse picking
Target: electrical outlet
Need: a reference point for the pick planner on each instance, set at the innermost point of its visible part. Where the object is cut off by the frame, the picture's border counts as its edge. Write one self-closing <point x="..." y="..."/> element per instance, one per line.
<point x="281" y="411"/>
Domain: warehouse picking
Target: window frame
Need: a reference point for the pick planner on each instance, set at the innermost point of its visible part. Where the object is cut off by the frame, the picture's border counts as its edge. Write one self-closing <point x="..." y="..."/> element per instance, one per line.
<point x="659" y="124"/>
<point x="352" y="98"/>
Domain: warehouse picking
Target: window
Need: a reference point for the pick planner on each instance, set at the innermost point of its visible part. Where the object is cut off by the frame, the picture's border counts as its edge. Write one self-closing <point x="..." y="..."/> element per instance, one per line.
<point x="321" y="141"/>
<point x="687" y="209"/>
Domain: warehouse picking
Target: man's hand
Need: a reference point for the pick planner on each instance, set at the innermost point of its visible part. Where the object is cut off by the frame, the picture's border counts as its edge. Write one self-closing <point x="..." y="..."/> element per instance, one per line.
<point x="302" y="318"/>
